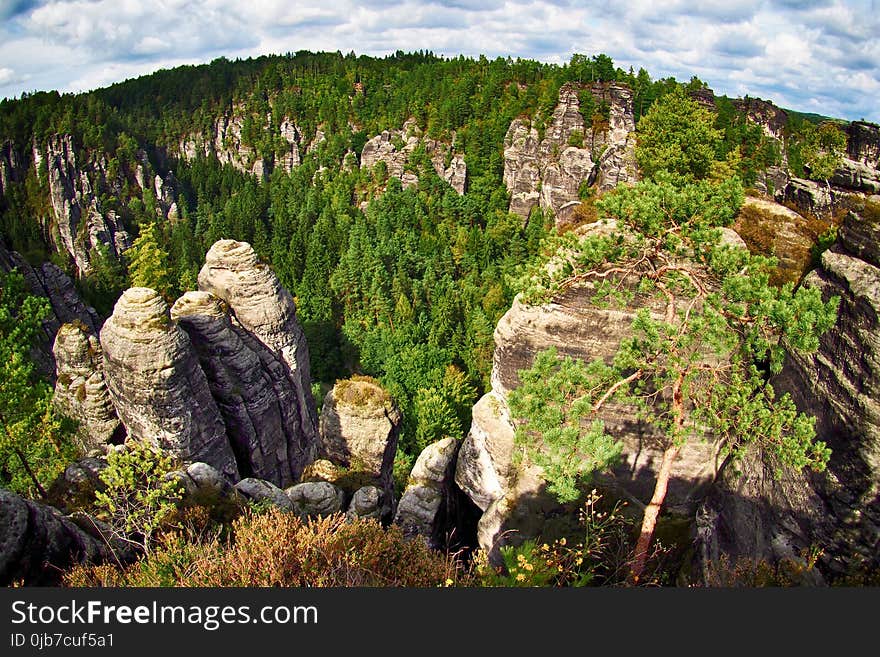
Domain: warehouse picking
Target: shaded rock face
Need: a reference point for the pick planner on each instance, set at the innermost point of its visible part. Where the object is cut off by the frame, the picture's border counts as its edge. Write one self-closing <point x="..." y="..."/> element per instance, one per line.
<point x="772" y="119"/>
<point x="840" y="385"/>
<point x="394" y="148"/>
<point x="10" y="166"/>
<point x="863" y="143"/>
<point x="79" y="223"/>
<point x="266" y="311"/>
<point x="250" y="385"/>
<point x="359" y="428"/>
<point x="37" y="542"/>
<point x="424" y="506"/>
<point x="80" y="390"/>
<point x="258" y="490"/>
<point x="549" y="171"/>
<point x="809" y="196"/>
<point x="157" y="386"/>
<point x="49" y="281"/>
<point x="75" y="488"/>
<point x="368" y="502"/>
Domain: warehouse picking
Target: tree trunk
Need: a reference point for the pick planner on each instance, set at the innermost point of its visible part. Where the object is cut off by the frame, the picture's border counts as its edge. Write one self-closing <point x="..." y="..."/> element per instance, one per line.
<point x="27" y="468"/>
<point x="652" y="511"/>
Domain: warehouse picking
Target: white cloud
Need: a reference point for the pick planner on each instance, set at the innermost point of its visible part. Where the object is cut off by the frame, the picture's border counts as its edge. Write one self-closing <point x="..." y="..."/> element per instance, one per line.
<point x="820" y="55"/>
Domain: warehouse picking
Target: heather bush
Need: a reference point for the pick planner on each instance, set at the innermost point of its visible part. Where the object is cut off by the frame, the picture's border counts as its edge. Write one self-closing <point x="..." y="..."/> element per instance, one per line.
<point x="275" y="548"/>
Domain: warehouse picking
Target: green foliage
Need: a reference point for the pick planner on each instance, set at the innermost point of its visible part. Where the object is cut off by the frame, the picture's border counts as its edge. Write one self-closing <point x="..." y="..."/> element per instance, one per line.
<point x="701" y="367"/>
<point x="35" y="443"/>
<point x="148" y="264"/>
<point x="677" y="135"/>
<point x="555" y="395"/>
<point x="139" y="496"/>
<point x="821" y="148"/>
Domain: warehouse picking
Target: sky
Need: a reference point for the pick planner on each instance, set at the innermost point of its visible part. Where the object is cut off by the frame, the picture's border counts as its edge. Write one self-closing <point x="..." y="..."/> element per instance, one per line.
<point x="818" y="56"/>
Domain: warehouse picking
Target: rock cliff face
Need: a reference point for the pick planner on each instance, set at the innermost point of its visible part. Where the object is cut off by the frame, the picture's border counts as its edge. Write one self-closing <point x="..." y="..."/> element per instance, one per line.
<point x="394" y="148"/>
<point x="80" y="390"/>
<point x="863" y="143"/>
<point x="250" y="386"/>
<point x="549" y="171"/>
<point x="157" y="386"/>
<point x="359" y="428"/>
<point x="225" y="143"/>
<point x="80" y="225"/>
<point x="266" y="311"/>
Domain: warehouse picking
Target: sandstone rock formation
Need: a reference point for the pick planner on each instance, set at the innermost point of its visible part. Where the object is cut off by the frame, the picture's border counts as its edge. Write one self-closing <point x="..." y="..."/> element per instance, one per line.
<point x="250" y="386"/>
<point x="37" y="542"/>
<point x="368" y="502"/>
<point x="359" y="428"/>
<point x="265" y="310"/>
<point x="10" y="166"/>
<point x="79" y="223"/>
<point x="157" y="386"/>
<point x="80" y="390"/>
<point x="548" y="171"/>
<point x="394" y="148"/>
<point x="225" y="142"/>
<point x="423" y="508"/>
<point x="75" y="488"/>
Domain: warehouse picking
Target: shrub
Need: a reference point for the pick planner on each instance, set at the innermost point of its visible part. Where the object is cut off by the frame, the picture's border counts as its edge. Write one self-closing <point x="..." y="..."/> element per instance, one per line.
<point x="275" y="548"/>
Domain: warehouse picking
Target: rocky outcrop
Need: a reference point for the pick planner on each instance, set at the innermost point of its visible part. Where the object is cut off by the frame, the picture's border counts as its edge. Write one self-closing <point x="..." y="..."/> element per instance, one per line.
<point x="75" y="488"/>
<point x="368" y="502"/>
<point x="395" y="147"/>
<point x="79" y="224"/>
<point x="159" y="390"/>
<point x="359" y="428"/>
<point x="250" y="385"/>
<point x="772" y="120"/>
<point x="857" y="176"/>
<point x="266" y="311"/>
<point x="80" y="390"/>
<point x="425" y="504"/>
<point x="225" y="142"/>
<point x="863" y="143"/>
<point x="809" y="196"/>
<point x="549" y="170"/>
<point x="37" y="543"/>
<point x="65" y="304"/>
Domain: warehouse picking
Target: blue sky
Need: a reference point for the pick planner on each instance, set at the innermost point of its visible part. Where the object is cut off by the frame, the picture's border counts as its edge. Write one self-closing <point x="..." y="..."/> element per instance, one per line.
<point x="811" y="55"/>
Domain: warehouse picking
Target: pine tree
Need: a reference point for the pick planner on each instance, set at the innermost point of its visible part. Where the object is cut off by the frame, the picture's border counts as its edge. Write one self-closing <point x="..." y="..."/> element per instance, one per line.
<point x="148" y="266"/>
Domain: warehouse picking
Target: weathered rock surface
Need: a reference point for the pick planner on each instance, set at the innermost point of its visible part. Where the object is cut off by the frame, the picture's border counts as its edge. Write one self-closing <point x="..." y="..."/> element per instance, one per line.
<point x="80" y="390"/>
<point x="259" y="490"/>
<point x="11" y="169"/>
<point x="809" y="196"/>
<point x="225" y="142"/>
<point x="265" y="310"/>
<point x="316" y="498"/>
<point x="157" y="386"/>
<point x="37" y="542"/>
<point x="394" y="148"/>
<point x="423" y="508"/>
<point x="857" y="176"/>
<point x="204" y="484"/>
<point x="359" y="428"/>
<point x="250" y="386"/>
<point x="773" y="120"/>
<point x="549" y="171"/>
<point x="863" y="143"/>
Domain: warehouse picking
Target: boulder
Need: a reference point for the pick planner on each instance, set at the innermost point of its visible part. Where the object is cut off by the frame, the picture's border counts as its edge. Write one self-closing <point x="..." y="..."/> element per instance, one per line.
<point x="368" y="502"/>
<point x="259" y="490"/>
<point x="316" y="499"/>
